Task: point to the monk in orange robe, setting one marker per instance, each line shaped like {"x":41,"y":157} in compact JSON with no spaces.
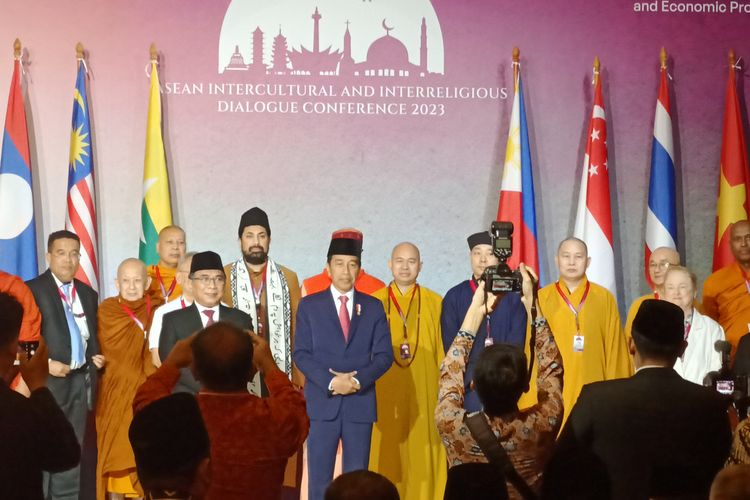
{"x":171,"y":248}
{"x":726,"y":293}
{"x":364,"y":282}
{"x":123,"y":323}
{"x":32,"y":320}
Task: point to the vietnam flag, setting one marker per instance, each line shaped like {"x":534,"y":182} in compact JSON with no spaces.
{"x":733,"y":175}
{"x":156,"y":209}
{"x":594,"y":214}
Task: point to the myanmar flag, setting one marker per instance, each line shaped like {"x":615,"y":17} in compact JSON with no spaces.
{"x":156,"y":209}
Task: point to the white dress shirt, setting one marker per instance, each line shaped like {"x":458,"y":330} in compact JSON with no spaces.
{"x":156,"y":323}
{"x":349,"y":303}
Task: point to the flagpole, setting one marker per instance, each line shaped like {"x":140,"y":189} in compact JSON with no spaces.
{"x":663,"y":58}
{"x":516,"y":59}
{"x":79,"y":50}
{"x":597,"y":65}
{"x":17,"y":49}
{"x":153,"y":53}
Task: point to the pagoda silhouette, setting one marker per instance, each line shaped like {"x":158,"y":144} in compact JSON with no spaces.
{"x":387,"y":57}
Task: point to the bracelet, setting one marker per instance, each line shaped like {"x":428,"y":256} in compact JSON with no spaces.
{"x":466,"y":335}
{"x":539,"y":322}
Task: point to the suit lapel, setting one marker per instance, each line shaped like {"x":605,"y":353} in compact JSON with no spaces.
{"x":332,"y":312}
{"x":356,"y":308}
{"x":84,"y":297}
{"x":60,"y":317}
{"x":195,"y":324}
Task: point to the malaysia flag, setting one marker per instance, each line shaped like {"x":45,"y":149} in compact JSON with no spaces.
{"x":661,"y":218}
{"x":517,"y":189}
{"x":81,"y":206}
{"x":17,"y":226}
{"x":594,"y":215}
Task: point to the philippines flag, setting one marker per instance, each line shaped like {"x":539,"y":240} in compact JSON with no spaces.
{"x":17,"y":226}
{"x":594,"y":215}
{"x":661,"y":219}
{"x":517,"y":190}
{"x":81,"y":209}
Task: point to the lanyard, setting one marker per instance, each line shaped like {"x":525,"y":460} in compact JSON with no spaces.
{"x":69,"y":303}
{"x":406,"y":353}
{"x":165,"y":293}
{"x":575,"y":310}
{"x":132,"y":315}
{"x":405,"y":318}
{"x":183,"y":305}
{"x":688,"y":326}
{"x":257,"y":296}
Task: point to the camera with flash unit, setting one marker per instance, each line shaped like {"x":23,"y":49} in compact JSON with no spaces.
{"x":501,"y":278}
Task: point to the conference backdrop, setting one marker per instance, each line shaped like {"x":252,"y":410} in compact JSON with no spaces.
{"x":387,"y":115}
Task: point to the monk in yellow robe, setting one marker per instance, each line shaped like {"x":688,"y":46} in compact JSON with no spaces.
{"x":726,"y":293}
{"x":405,"y":446}
{"x":123,"y":323}
{"x":586,"y":323}
{"x":658,"y":263}
{"x":171,"y":248}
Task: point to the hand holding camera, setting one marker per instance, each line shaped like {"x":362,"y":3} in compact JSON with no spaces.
{"x":35,"y":368}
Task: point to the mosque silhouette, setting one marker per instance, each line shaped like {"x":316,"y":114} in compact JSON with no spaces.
{"x":387,"y":57}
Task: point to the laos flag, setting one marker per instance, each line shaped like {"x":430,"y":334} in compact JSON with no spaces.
{"x":17,"y":227}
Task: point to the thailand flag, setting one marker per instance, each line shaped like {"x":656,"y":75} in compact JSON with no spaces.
{"x":594,"y":215}
{"x":81,"y":206}
{"x":17,"y":227}
{"x":517,"y":189}
{"x":661,"y":219}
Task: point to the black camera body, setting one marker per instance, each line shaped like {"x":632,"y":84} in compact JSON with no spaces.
{"x":725,"y":381}
{"x":501,"y":278}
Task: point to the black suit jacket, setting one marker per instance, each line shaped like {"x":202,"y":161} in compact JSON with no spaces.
{"x":35,"y":437}
{"x":55,"y":328}
{"x":653,"y":434}
{"x":181,"y":324}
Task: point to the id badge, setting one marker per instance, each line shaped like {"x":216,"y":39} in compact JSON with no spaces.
{"x":405,"y":352}
{"x":578,"y":343}
{"x":488,"y":341}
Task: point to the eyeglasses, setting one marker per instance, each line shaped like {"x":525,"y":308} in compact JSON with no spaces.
{"x":210,"y":280}
{"x":659,"y":265}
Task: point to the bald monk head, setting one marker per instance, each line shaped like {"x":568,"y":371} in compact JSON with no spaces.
{"x":405,"y":264}
{"x":739,"y":240}
{"x":658,"y":263}
{"x":223,"y":358}
{"x":731,"y":483}
{"x":572,"y":261}
{"x":132,"y":279}
{"x":171,"y":246}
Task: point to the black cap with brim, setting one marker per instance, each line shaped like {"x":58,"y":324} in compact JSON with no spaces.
{"x":167,"y":436}
{"x":660,"y":322}
{"x":206,"y":261}
{"x":254,"y":217}
{"x":482,"y":238}
{"x":345,"y":246}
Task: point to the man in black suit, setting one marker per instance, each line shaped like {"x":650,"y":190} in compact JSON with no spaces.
{"x":35,"y":435}
{"x":68,"y":308}
{"x":207,"y":278}
{"x":651,"y":435}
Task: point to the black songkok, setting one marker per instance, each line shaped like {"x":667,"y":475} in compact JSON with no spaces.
{"x":206,"y":260}
{"x":346,"y":243}
{"x":254,"y":217}
{"x":482,"y":238}
{"x":660,"y":321}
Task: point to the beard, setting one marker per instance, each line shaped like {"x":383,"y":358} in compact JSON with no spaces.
{"x":255,"y":256}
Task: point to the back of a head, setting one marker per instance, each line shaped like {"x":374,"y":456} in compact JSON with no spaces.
{"x":11,"y":316}
{"x":223,"y":357}
{"x":731,"y":483}
{"x":500,"y":377}
{"x":475,"y":481}
{"x":361,"y":485}
{"x":169,"y":441}
{"x":658,"y":330}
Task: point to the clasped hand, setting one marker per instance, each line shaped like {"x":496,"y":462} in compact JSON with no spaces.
{"x":343,"y":383}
